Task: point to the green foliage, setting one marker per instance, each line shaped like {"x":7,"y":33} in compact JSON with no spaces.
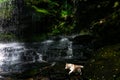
{"x":1,"y":1}
{"x":5,"y":9}
{"x":64,"y":14}
{"x":54,"y":13}
{"x":116,"y":4}
{"x":7,"y":36}
{"x":40,"y":10}
{"x":74,"y":16}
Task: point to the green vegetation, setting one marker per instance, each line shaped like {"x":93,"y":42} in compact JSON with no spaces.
{"x":1,"y":1}
{"x":53,"y":17}
{"x":7,"y":37}
{"x":40,"y":10}
{"x":5,"y":9}
{"x":54,"y":13}
{"x":99,"y":18}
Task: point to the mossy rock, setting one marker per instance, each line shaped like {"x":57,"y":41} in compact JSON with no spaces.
{"x":7,"y":37}
{"x":105,"y":64}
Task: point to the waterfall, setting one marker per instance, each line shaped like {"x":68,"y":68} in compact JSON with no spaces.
{"x":45,"y":45}
{"x":70,"y":50}
{"x":10,"y":55}
{"x":15,"y":53}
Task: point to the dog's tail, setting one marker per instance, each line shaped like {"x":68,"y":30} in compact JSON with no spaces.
{"x":81,"y":66}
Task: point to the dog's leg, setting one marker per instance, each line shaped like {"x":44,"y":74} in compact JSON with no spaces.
{"x":71,"y":70}
{"x":80,"y":73}
{"x":79,"y":70}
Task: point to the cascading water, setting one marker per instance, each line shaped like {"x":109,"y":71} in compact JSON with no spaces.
{"x":14,"y":55}
{"x":70,"y":50}
{"x":10,"y":55}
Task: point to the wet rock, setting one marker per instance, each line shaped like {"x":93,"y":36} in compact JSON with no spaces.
{"x":56,"y":72}
{"x":83,"y":39}
{"x":29,"y":79}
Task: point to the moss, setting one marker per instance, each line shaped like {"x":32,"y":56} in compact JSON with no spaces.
{"x":7,"y":37}
{"x":105,"y":65}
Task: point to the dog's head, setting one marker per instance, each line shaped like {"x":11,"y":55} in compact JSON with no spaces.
{"x":67,"y":66}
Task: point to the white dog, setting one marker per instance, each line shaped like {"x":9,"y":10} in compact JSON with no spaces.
{"x":74,"y":68}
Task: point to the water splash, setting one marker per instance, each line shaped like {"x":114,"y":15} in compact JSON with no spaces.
{"x":10,"y":55}
{"x":64,"y":40}
{"x":18,"y":54}
{"x":9,"y":52}
{"x":48,"y":41}
{"x":70,"y":50}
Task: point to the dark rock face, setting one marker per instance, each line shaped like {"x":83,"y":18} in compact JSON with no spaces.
{"x":83,"y":39}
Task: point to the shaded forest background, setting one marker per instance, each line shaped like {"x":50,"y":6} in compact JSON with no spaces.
{"x":35,"y":20}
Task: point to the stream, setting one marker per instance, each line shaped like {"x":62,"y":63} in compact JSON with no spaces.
{"x":16,"y":57}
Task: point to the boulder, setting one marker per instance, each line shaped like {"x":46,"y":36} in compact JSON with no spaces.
{"x":83,"y":39}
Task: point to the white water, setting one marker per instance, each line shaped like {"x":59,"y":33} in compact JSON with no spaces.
{"x":16,"y":53}
{"x":70,"y":50}
{"x":9,"y":52}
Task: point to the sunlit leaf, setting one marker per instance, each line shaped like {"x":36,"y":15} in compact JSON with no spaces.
{"x":116,"y":4}
{"x":40,"y":10}
{"x":54,"y":3}
{"x":3,"y":1}
{"x":64,"y":13}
